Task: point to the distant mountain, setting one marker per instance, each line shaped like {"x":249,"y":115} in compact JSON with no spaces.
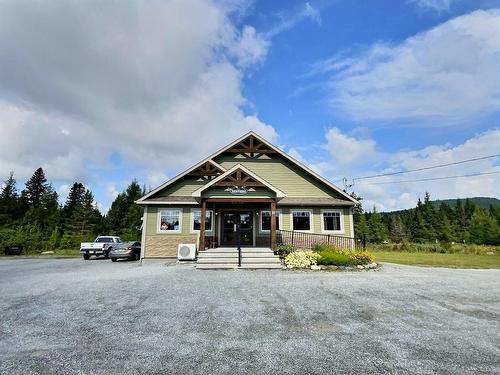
{"x":483,"y":202}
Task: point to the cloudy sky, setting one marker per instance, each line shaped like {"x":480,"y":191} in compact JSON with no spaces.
{"x":103,"y":92}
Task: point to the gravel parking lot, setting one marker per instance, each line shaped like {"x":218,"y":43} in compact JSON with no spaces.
{"x":72,"y":316}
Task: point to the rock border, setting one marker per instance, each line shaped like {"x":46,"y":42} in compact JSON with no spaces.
{"x":331,"y":268}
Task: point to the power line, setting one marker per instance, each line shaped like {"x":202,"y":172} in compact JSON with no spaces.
{"x":430,"y":179}
{"x":424,"y":168}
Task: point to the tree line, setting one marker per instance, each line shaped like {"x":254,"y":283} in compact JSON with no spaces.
{"x":34,"y":218}
{"x":464,"y":223}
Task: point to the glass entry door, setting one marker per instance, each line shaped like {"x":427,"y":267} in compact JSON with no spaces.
{"x":234,"y":222}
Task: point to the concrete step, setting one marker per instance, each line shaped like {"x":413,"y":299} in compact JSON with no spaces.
{"x":215,"y":266}
{"x":235,"y":260}
{"x":234,"y":249}
{"x":232,"y":255}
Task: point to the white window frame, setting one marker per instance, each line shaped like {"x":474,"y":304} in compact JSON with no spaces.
{"x":279,"y":213}
{"x":191,"y":225}
{"x":158,"y":221}
{"x":311,"y":221}
{"x":341,"y":217}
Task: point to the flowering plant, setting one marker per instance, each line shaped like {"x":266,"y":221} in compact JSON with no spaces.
{"x":302,"y":259}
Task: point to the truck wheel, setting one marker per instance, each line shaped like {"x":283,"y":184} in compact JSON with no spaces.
{"x":86,"y":256}
{"x":106,"y":254}
{"x":113,"y":259}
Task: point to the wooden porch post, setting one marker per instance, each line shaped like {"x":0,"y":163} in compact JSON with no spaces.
{"x":273,"y":225}
{"x":202,"y":225}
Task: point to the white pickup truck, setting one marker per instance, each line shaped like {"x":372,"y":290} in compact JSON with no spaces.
{"x":101,"y":246}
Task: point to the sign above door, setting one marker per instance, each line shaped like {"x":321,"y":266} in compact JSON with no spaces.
{"x":238,"y":190}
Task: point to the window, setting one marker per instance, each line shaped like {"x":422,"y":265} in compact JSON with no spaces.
{"x":196,"y":220}
{"x":331,"y":221}
{"x":301,"y":220}
{"x":169,"y":220}
{"x":265,"y":220}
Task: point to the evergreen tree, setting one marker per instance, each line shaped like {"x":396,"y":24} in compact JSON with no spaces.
{"x":460,"y":223}
{"x":420,"y":231}
{"x":75,"y":199}
{"x":42,"y":209}
{"x":444,"y":229}
{"x":36,"y":188}
{"x":361,"y":228}
{"x":397,"y":229}
{"x":124,"y":216}
{"x":378,"y":231}
{"x":9,"y":201}
{"x":484,"y":228}
{"x":84,"y":223}
{"x":469,"y":209}
{"x":495,"y":212}
{"x":429,"y":218}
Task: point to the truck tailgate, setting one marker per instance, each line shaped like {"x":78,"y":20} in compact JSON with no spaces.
{"x":91,"y":245}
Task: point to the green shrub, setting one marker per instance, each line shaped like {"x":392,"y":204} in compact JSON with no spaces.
{"x":284,"y":250}
{"x":362,"y":258}
{"x":325,"y":247}
{"x":301,"y":259}
{"x":329,"y":257}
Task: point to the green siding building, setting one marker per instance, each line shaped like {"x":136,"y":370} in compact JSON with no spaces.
{"x":245,"y":193}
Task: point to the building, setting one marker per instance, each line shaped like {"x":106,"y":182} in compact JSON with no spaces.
{"x":246,"y":192}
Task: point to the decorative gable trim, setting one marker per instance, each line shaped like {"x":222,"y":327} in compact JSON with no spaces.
{"x":239,"y":176}
{"x":251,"y":145}
{"x":207,"y":170}
{"x":179,"y":176}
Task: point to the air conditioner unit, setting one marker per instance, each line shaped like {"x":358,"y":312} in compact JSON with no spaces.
{"x":186,"y":251}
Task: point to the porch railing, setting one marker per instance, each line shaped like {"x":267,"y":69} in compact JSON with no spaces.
{"x":310,"y":240}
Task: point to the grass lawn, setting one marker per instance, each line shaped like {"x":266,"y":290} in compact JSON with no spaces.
{"x":438,"y":259}
{"x":58,"y":252}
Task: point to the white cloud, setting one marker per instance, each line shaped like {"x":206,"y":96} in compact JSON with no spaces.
{"x":436,"y":5}
{"x":112,"y":191}
{"x":364,"y":159}
{"x":287,"y":21}
{"x":62,"y":192}
{"x":155,"y":178}
{"x":483,"y":144}
{"x":251,"y":47}
{"x":82,"y":80}
{"x":347,"y":150}
{"x":445,"y":75}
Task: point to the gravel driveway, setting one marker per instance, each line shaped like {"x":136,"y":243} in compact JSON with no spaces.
{"x":71,"y":316}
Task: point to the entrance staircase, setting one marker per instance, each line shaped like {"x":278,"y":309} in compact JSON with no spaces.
{"x":227,"y":258}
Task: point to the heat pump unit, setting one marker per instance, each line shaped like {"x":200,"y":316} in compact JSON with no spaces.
{"x":186,"y":251}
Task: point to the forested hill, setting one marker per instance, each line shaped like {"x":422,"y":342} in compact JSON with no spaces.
{"x":473,"y":220}
{"x":482,"y":202}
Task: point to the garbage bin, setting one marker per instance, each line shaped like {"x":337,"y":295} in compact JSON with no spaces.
{"x":14,"y":250}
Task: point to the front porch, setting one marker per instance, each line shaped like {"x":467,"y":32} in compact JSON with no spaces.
{"x":238,"y":222}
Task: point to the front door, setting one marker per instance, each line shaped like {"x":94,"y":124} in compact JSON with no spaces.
{"x":234,"y":222}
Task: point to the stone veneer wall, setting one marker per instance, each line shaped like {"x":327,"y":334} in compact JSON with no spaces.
{"x":159,"y":246}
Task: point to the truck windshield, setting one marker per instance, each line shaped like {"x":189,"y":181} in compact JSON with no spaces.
{"x":104,"y":239}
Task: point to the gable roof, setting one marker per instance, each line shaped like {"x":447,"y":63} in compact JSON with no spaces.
{"x":236,"y":142}
{"x":279,"y":193}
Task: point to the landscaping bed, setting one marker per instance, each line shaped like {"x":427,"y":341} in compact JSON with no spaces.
{"x":326,"y":257}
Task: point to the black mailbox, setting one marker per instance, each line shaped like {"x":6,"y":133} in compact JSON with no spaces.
{"x":13,"y":250}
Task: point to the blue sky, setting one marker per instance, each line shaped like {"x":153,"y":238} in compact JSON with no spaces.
{"x":103,"y":92}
